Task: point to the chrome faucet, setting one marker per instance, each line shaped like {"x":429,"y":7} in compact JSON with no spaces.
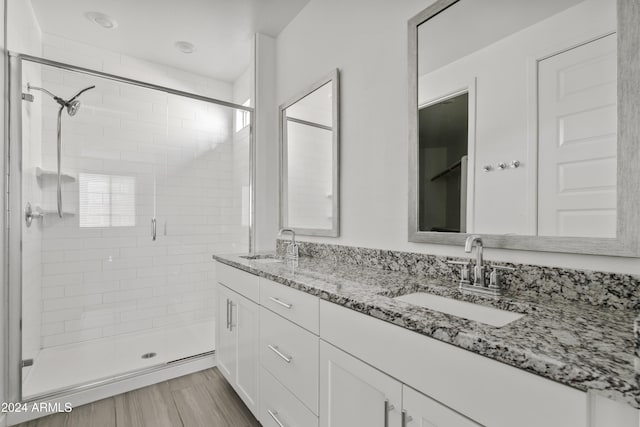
{"x":292,"y":248}
{"x":479,"y":284}
{"x":478,"y":270}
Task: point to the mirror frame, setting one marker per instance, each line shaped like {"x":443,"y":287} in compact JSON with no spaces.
{"x":627,"y":241}
{"x":334,"y":231}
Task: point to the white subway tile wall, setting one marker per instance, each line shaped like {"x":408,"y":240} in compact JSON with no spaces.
{"x":309,"y":176}
{"x":172,"y":158}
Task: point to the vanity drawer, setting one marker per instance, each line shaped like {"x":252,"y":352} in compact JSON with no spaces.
{"x":283,"y":405}
{"x":290,"y":354}
{"x":297,"y":306}
{"x":244,"y":283}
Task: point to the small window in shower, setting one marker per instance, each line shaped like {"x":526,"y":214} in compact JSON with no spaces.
{"x":243,"y":118}
{"x":107,"y":200}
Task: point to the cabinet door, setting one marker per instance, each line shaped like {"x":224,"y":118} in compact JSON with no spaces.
{"x":354,"y":394}
{"x":225,"y":337}
{"x":244,"y":323}
{"x":421,"y":411}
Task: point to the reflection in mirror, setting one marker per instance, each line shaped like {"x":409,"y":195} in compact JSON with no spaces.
{"x":517,"y":121}
{"x":309,"y":150}
{"x":443,"y":136}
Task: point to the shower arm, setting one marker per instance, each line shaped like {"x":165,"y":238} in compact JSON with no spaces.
{"x":59,"y":100}
{"x":41,"y":89}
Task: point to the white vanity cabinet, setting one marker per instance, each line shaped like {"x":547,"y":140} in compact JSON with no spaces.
{"x":296,"y":306}
{"x":288,"y":355}
{"x":353,"y":393}
{"x":365,"y":361}
{"x":279,"y":407}
{"x":296,"y":360}
{"x":237,"y":336}
{"x":225,"y":336}
{"x":356,"y":394}
{"x":489,"y":392}
{"x":422,"y":411}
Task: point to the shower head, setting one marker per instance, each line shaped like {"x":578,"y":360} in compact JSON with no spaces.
{"x":72,"y":105}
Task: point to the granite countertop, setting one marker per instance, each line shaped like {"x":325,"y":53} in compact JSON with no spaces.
{"x":585,"y":347}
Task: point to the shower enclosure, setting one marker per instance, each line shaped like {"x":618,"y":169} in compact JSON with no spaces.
{"x":152,"y":182}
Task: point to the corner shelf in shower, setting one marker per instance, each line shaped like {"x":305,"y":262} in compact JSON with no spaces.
{"x":43,"y":173}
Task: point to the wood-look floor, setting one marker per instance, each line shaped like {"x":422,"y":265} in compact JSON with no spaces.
{"x":202,"y":399}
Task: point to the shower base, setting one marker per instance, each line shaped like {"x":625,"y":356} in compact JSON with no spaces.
{"x":63,"y":367}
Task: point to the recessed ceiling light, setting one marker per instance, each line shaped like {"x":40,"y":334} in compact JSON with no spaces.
{"x":185,"y":47}
{"x":105,"y":21}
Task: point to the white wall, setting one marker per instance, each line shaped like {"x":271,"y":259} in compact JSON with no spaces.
{"x":367,"y":40}
{"x":23,"y":32}
{"x":243,"y":86}
{"x":266,"y":140}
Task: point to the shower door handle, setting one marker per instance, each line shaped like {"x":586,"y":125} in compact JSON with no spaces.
{"x":154,"y":228}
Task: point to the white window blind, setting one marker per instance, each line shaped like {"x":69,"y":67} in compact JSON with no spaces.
{"x":243,"y":119}
{"x":107,"y":200}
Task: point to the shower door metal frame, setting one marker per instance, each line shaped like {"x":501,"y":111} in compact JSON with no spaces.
{"x":15,"y":214}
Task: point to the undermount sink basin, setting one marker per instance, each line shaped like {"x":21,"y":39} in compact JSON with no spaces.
{"x":467,"y":310}
{"x":262,"y":258}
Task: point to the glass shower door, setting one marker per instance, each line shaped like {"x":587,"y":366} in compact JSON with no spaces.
{"x":82,"y":272}
{"x":153,"y":183}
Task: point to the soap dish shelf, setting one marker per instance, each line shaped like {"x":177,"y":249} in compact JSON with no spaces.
{"x":44,"y":173}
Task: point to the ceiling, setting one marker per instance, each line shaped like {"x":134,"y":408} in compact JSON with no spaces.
{"x":221,"y":30}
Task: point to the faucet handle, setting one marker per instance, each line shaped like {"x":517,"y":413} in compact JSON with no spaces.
{"x":465,"y":269}
{"x":494,"y":277}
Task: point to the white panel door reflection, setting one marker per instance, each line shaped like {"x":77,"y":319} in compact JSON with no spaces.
{"x":577,"y":141}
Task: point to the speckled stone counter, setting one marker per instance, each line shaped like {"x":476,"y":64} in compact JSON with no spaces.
{"x":636,"y":330}
{"x":585,"y":347}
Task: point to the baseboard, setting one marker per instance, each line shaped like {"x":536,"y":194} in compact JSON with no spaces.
{"x":103,"y":391}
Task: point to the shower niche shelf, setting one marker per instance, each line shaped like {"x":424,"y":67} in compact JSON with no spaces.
{"x":44,"y":173}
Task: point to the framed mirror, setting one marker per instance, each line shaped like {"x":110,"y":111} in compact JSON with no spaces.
{"x":524,"y":125}
{"x":309,"y":159}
